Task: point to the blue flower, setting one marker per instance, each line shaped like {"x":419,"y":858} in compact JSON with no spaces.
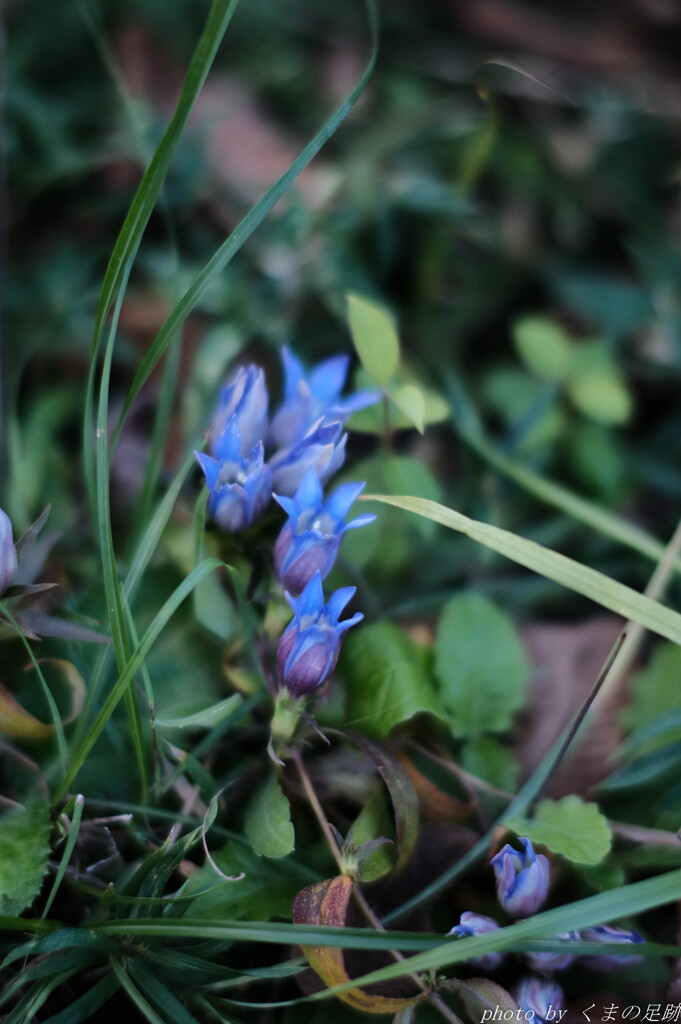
{"x":608,"y":933}
{"x":8,"y":553}
{"x":322,"y":449}
{"x":240,"y":488}
{"x":310,"y":539}
{"x":309,"y":648}
{"x":478,"y":924}
{"x":317,"y":396}
{"x":244,"y":397}
{"x":522,"y":879}
{"x":545,"y":963}
{"x":540,"y":996}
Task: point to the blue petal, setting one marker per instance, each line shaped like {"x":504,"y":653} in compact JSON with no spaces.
{"x":339,"y":503}
{"x":326,"y":380}
{"x":294,"y":372}
{"x":337,"y":602}
{"x":310,"y":493}
{"x":210,"y":467}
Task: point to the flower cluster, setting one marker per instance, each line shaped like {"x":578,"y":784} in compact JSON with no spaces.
{"x":522,"y":884}
{"x":307,"y":436}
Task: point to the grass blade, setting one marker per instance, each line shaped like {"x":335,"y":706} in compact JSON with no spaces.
{"x":616,"y":597}
{"x":68,"y":850}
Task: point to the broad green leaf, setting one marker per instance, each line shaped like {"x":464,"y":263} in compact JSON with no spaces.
{"x":656,"y":690}
{"x":375,"y":338}
{"x":388,"y":681}
{"x":214,"y":610}
{"x":544,"y":347}
{"x":581,"y":578}
{"x":480,"y":664}
{"x":489,"y":760}
{"x":575,"y":829}
{"x":268,"y":822}
{"x":381,"y":416}
{"x":411,"y":403}
{"x":24,"y":849}
{"x":596,"y":386}
{"x":266,"y":890}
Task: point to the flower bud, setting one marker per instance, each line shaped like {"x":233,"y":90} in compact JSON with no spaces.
{"x":321,"y":449}
{"x":8,"y":553}
{"x":317,"y":396}
{"x":478,"y":924}
{"x":541,"y":996}
{"x":608,"y":933}
{"x":309,"y":648}
{"x":546,"y":963}
{"x":240,"y":489}
{"x":244,"y":397}
{"x":310,"y":539}
{"x":522,"y":879}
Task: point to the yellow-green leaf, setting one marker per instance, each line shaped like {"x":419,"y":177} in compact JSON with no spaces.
{"x":571,"y":827}
{"x":268,"y":822}
{"x":375,"y":338}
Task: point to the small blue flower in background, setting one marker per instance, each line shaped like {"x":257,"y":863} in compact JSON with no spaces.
{"x":540,"y":996}
{"x":322,"y":449}
{"x":478,"y":924}
{"x":545,"y":963}
{"x":522,"y":879}
{"x":244,"y":397}
{"x":240,"y":488}
{"x":8,"y":553}
{"x":310,"y":539}
{"x":309,"y":648}
{"x":608,"y":933}
{"x":317,"y":396}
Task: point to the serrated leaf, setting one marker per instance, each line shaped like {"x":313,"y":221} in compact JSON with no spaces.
{"x":24,"y":849}
{"x":571,"y":827}
{"x":375,"y":338}
{"x":480,"y":664}
{"x":544,"y":347}
{"x":268,"y":822}
{"x":387,"y":679}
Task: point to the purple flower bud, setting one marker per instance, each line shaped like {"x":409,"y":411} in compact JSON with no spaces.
{"x":8,"y":553}
{"x":541,"y":996}
{"x":610,"y":961}
{"x":317,"y":396}
{"x":478,"y":924}
{"x":545,"y":963}
{"x":321,"y":449}
{"x":522,"y":879}
{"x":309,"y":649}
{"x":240,"y":489}
{"x":244,"y":397}
{"x":310,"y":539}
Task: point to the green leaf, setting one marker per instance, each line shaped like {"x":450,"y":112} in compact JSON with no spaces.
{"x":596,"y":386}
{"x":24,"y":849}
{"x":490,"y":761}
{"x":544,"y":347}
{"x":377,"y":418}
{"x":411,"y":403}
{"x":387,"y":679}
{"x":266,"y":890}
{"x":268,"y":822}
{"x":655,"y":690}
{"x":575,"y":829}
{"x":373,"y":822}
{"x":208,"y":718}
{"x":581,"y":578}
{"x":480,"y":664}
{"x":375,"y":338}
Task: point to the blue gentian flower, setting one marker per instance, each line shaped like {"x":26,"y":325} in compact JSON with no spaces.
{"x":315,"y":396}
{"x":244,"y":397}
{"x":240,"y":488}
{"x":478,"y":924}
{"x":310,"y":539}
{"x":522,"y":879}
{"x":541,"y":996}
{"x":608,"y":933}
{"x":8,"y":553}
{"x":322,"y":449}
{"x":309,"y":648}
{"x":546,"y":963}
